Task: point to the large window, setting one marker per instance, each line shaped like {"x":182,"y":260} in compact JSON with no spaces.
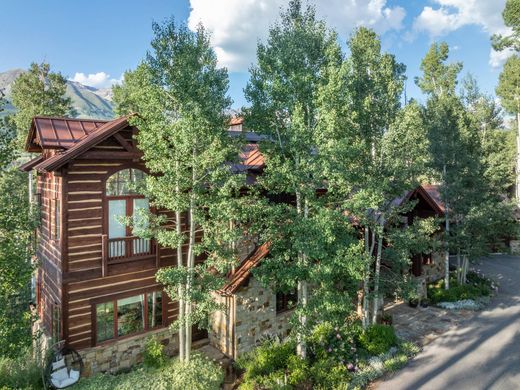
{"x":125,"y":202}
{"x":127,"y":316}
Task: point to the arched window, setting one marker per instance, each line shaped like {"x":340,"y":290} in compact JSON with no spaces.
{"x":123,"y":191}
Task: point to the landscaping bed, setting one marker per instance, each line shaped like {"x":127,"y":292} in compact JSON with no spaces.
{"x":474,"y":295}
{"x":338,"y":358}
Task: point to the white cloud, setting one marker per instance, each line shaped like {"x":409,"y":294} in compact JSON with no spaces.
{"x":450,"y":15}
{"x":96,"y":80}
{"x":498,"y":58}
{"x":237,"y":25}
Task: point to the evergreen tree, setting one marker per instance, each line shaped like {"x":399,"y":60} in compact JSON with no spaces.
{"x":181,"y":99}
{"x":39,"y":91}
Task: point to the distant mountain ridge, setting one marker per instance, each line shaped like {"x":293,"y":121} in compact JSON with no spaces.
{"x":89,"y":102}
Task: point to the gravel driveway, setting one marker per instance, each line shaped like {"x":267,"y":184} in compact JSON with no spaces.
{"x":482,"y":352}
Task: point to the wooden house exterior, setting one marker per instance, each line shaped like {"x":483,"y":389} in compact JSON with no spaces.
{"x":96,"y":285}
{"x":96,"y":281}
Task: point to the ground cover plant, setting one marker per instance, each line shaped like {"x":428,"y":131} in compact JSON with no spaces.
{"x":338,"y":357}
{"x":199,"y":373}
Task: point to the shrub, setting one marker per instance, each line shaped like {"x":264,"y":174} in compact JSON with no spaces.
{"x":154,"y":353}
{"x":338,"y":343}
{"x":378,"y":339}
{"x":199,"y":374}
{"x":328,"y":374}
{"x":476,"y":287}
{"x":22,"y":372}
{"x":269,"y":357}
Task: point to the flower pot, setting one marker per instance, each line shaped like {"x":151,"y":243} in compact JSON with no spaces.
{"x":413,"y":302}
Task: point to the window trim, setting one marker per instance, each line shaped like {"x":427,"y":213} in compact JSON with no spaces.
{"x":114,"y":298}
{"x":285,"y":299}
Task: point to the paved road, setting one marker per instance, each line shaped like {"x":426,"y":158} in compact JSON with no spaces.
{"x":483,"y":352}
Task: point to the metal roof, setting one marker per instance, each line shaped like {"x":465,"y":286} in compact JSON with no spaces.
{"x":59,"y":133}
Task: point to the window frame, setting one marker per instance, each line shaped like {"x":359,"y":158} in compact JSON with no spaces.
{"x":113,"y":299}
{"x":285,"y":297}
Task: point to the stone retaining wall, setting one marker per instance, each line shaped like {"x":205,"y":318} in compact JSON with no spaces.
{"x":123,"y":354}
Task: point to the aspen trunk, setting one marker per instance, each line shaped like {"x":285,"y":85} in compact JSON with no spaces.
{"x":447,"y":253}
{"x":518,"y":159}
{"x":189,"y":284}
{"x":180,"y":291}
{"x":366,"y":280}
{"x":459,"y":270}
{"x":377,"y":271}
{"x":301,"y":347}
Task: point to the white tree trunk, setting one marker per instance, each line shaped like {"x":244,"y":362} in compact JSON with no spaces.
{"x":447,"y":253}
{"x":366,"y":281}
{"x":180,"y":291}
{"x":377,"y":271}
{"x":518,"y":159}
{"x":459,"y":270}
{"x":301,"y":348}
{"x":189,"y":283}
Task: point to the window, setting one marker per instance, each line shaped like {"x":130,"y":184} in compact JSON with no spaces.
{"x":127,"y":316}
{"x":286,"y":301}
{"x":125,"y":202}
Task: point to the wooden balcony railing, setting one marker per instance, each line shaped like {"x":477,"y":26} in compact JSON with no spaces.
{"x":124,"y":249}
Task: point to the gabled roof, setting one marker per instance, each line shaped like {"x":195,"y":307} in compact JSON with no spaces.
{"x":429,"y":193}
{"x":29,"y":165}
{"x":434,"y":195}
{"x":242,"y":273}
{"x":58,"y":133}
{"x":82,"y":145}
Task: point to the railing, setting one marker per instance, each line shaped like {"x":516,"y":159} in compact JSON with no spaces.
{"x":120,"y":250}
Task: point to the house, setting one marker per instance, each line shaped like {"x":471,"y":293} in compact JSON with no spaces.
{"x":96,"y":286}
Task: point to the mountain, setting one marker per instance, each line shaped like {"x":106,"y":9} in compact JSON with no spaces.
{"x":89,"y":102}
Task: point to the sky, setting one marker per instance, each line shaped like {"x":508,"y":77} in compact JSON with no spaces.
{"x":96,"y":41}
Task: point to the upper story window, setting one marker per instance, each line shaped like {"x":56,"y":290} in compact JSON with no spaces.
{"x":125,"y":201}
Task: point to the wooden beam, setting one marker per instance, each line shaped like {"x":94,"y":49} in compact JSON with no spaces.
{"x":95,"y":155}
{"x":124,"y":143}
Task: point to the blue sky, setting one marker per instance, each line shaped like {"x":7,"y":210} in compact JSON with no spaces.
{"x":95,"y":41}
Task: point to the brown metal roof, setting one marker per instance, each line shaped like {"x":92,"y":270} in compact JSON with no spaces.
{"x":88,"y":141}
{"x":251,"y":157}
{"x":59,"y":133}
{"x":434,"y":195}
{"x":242,"y":273}
{"x":31,"y":164}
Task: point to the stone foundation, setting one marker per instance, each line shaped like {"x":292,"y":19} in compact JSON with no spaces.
{"x":435,"y":271}
{"x":124,"y":354}
{"x":253,"y":311}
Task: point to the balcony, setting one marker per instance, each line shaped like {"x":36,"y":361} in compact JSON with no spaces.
{"x":127,"y":249}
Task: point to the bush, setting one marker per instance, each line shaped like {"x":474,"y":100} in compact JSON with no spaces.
{"x":337,"y":343}
{"x":199,"y":374}
{"x":378,"y":339}
{"x":22,"y":372}
{"x":269,"y":357}
{"x":476,"y":287}
{"x":154,"y":353}
{"x":328,"y":374}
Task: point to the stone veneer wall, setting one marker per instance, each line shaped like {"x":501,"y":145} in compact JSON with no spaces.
{"x":256,"y":317}
{"x":123,"y":354}
{"x":435,"y":271}
{"x":253,"y":311}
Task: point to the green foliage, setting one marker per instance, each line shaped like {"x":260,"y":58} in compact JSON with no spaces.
{"x":269,"y":357}
{"x":154,"y":355}
{"x":377,"y":339}
{"x":475,"y":288}
{"x":329,"y":374}
{"x":508,"y":88}
{"x":20,"y":372}
{"x":511,"y":15}
{"x":39,"y":91}
{"x":16,"y":234}
{"x":198,"y":374}
{"x":336,"y":343}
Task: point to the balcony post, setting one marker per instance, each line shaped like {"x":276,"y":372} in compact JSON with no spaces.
{"x":157,"y":254}
{"x":104,"y":258}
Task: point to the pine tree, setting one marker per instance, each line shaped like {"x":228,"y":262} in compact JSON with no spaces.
{"x":511,"y":15}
